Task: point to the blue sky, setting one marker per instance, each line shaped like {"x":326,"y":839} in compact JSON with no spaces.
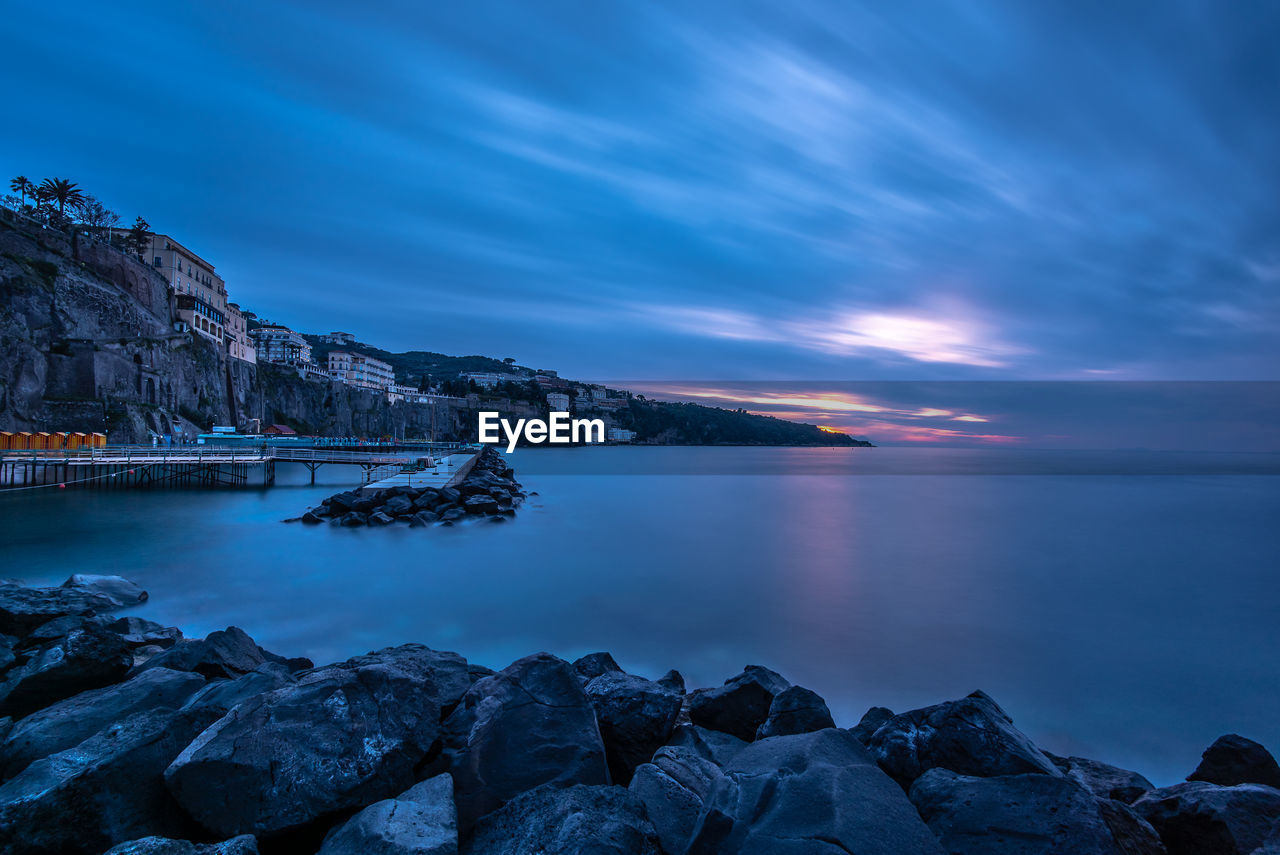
{"x":734,"y":190}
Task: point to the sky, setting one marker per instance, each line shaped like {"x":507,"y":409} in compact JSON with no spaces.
{"x":743,"y":191}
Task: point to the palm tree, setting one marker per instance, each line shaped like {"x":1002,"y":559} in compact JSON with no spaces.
{"x":63,"y":192}
{"x":22,"y":186}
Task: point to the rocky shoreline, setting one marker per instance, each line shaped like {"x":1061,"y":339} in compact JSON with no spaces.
{"x":489,"y":491}
{"x":121,"y":735}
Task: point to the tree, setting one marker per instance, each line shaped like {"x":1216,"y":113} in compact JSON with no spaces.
{"x":139,"y":237}
{"x":509,"y":361}
{"x":63,"y":192}
{"x":96,"y":216}
{"x":23,"y":187}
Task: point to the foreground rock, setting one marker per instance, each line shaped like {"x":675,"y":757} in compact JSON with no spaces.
{"x":106,"y":790}
{"x":1031,"y":813}
{"x":809,"y":793}
{"x":1199,"y":818}
{"x":24,"y":609}
{"x":795,"y":710}
{"x":87,"y":657}
{"x":68,"y":723}
{"x":243,"y":845}
{"x":577,"y":820}
{"x":741,"y":705}
{"x":636,"y":717}
{"x":225,"y":654}
{"x":1104,"y":780}
{"x":344,"y":736}
{"x":527,"y":725}
{"x":674,"y":788}
{"x":420,"y":821}
{"x":1232,"y":760}
{"x":971,"y":736}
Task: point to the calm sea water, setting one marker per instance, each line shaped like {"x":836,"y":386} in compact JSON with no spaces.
{"x":1128,"y":617}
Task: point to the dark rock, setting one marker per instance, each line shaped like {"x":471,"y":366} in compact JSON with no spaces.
{"x":636,"y":717}
{"x":398,"y":506}
{"x":59,"y":628}
{"x":478,"y":672}
{"x":23,"y":609}
{"x":427,"y":500}
{"x":1232,"y":760}
{"x":245,"y":844}
{"x":971,"y":736}
{"x":809,"y":793}
{"x":348,"y":735}
{"x":365,"y":504}
{"x":312,"y":518}
{"x":450,"y":495}
{"x":342,"y":503}
{"x":222,"y":695}
{"x":222,"y":654}
{"x":593,"y":665}
{"x":379,"y":518}
{"x":527,"y":725}
{"x":719,"y":748}
{"x":139,"y":631}
{"x":673,"y":788}
{"x":796,"y":710}
{"x":1103,"y":780}
{"x":452,"y":515}
{"x":870,"y":723}
{"x":1199,"y":818}
{"x":479,"y":505}
{"x":741,"y":705}
{"x":86,"y":658}
{"x":497,"y":519}
{"x":420,"y":821}
{"x":7,"y":657}
{"x":577,"y":820}
{"x":423,"y":518}
{"x":354,"y":519}
{"x":672,"y":680}
{"x":1030,"y":813}
{"x":68,"y":723}
{"x":106,"y":790}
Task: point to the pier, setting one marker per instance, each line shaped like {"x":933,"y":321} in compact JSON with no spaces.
{"x":126,"y":467}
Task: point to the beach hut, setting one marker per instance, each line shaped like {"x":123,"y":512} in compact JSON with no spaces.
{"x":6,"y":439}
{"x":77,"y":439}
{"x":97,"y":440}
{"x":40,"y":440}
{"x":279,"y":430}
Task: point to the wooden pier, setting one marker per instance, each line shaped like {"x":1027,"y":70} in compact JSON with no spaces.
{"x":127,"y":467}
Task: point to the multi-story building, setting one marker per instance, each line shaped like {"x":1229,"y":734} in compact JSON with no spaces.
{"x":558,"y":402}
{"x":236,"y":335}
{"x":338,"y":338}
{"x":356,"y":369}
{"x":617,"y":434}
{"x":279,"y":344}
{"x":487,"y":380}
{"x":200,"y":294}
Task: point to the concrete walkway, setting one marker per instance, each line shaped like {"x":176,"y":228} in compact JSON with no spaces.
{"x":448,"y":471}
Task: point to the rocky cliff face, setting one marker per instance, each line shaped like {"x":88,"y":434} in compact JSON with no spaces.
{"x":86,"y":344}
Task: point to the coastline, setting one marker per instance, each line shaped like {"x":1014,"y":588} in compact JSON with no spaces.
{"x":160,"y":735}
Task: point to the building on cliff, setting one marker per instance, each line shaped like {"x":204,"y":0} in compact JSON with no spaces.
{"x":281,"y":345}
{"x":364,"y":372}
{"x":338,"y":338}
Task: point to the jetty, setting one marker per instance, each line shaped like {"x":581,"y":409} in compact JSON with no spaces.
{"x":139,"y":466}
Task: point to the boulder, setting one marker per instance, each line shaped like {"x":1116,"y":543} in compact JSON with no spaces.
{"x":353,"y":519}
{"x":7,"y":657}
{"x":420,"y":821}
{"x":138,"y":632}
{"x":366,"y":504}
{"x":870,"y":723}
{"x":341,"y":503}
{"x":106,"y":790}
{"x":398,"y":506}
{"x":222,"y":695}
{"x":313,"y":517}
{"x":427,"y":500}
{"x":719,"y":748}
{"x":245,"y":844}
{"x":971,"y":736}
{"x":576,"y":820}
{"x":817,"y":792}
{"x":23,"y":609}
{"x":529,"y":724}
{"x":480,"y":505}
{"x":636,"y":717}
{"x":222,"y":654}
{"x":673,"y":679}
{"x":347,"y":734}
{"x":1104,"y":780}
{"x":1029,"y":813}
{"x":741,"y":705}
{"x":119,"y":590}
{"x":450,"y":495}
{"x":423,"y":518}
{"x":673,"y":789}
{"x":86,"y":658}
{"x":1199,"y":818}
{"x":379,"y":518}
{"x":593,"y":665}
{"x":452,"y":515}
{"x":795,"y":710}
{"x":68,"y":723}
{"x":1233,"y":759}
